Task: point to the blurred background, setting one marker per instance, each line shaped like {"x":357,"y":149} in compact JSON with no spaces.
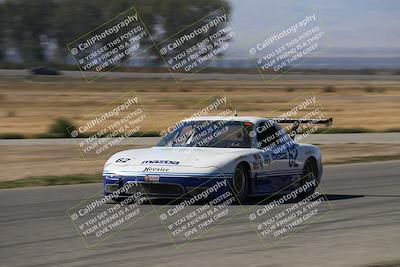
{"x":362,"y":34}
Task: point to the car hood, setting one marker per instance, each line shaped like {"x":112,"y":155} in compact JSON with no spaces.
{"x":175,"y":158}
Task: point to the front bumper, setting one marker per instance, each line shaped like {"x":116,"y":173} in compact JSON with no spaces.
{"x":166,"y":187}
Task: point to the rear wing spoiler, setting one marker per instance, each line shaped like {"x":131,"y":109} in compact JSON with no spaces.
{"x":326,"y":122}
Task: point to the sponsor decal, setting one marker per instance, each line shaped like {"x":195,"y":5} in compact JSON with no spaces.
{"x":266,"y":159}
{"x":279,"y":156}
{"x":256,"y":162}
{"x":151,"y":178}
{"x":155,"y":169}
{"x":122,"y":160}
{"x":169,"y":162}
{"x":292,"y":157}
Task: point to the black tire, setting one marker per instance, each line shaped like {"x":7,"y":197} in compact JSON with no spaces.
{"x":310,"y":172}
{"x":240,"y":182}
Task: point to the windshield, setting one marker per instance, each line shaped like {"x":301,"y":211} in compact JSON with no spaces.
{"x":221,"y":134}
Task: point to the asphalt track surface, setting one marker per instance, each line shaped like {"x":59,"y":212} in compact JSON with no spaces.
{"x":362,"y":230}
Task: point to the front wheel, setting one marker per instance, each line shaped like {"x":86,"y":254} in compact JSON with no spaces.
{"x":239,"y":184}
{"x":309,"y":178}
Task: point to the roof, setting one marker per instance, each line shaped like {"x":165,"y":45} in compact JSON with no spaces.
{"x":227,"y":118}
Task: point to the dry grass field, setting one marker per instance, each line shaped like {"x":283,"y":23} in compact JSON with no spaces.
{"x":59,"y":160}
{"x":29,"y":105}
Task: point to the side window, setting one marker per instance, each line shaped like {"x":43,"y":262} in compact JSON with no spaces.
{"x":267,"y":135}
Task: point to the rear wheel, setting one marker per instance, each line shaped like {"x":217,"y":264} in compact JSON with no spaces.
{"x":240,"y":182}
{"x":309,"y":178}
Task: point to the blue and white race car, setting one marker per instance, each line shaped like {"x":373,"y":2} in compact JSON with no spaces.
{"x":254,"y":155}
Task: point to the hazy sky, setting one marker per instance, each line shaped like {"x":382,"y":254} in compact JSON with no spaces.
{"x":372,"y":25}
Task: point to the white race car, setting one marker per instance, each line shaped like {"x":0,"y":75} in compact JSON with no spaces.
{"x":254,"y":155}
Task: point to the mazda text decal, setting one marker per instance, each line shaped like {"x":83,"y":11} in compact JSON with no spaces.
{"x":170,"y":162}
